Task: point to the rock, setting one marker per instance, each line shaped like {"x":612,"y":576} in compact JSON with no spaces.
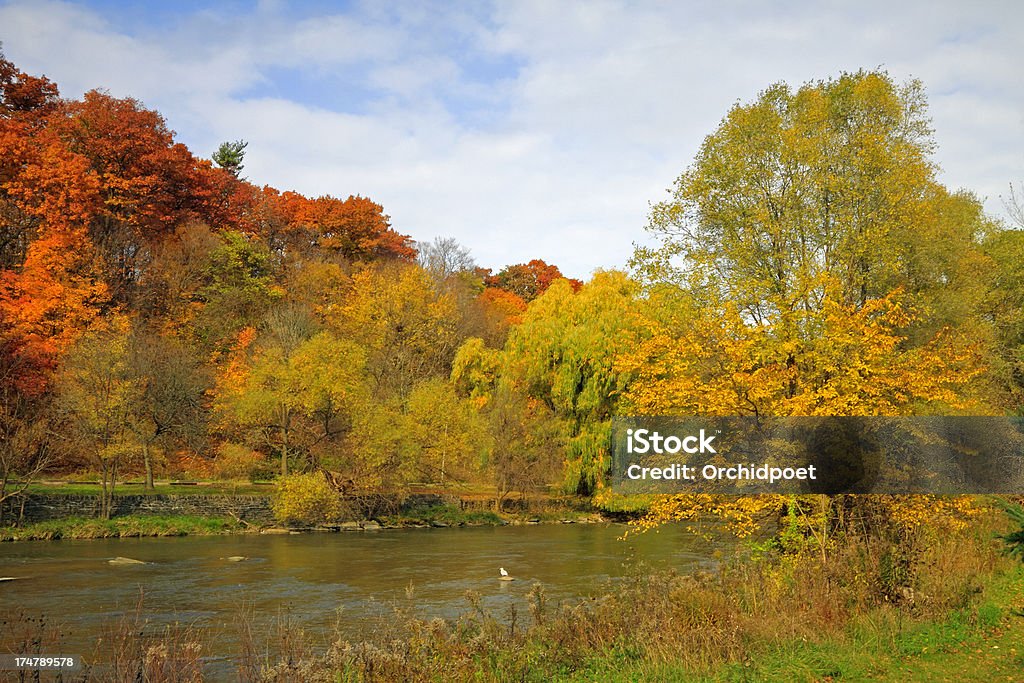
{"x":348,"y":526}
{"x":275,"y":530}
{"x":505,"y":578}
{"x":371,"y":526}
{"x":237,"y":558}
{"x":125,"y":560}
{"x":438,"y":525}
{"x":10,"y":578}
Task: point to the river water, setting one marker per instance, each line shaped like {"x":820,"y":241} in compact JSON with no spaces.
{"x":310,"y":576}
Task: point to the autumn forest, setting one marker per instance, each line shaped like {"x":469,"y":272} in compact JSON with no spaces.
{"x":162,"y":316}
{"x":165,"y":318}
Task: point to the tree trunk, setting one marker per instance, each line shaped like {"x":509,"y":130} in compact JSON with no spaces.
{"x":284,"y":452}
{"x":104,"y":512}
{"x":148,"y":462}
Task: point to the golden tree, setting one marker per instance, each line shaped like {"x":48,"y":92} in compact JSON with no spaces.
{"x":810,"y":264}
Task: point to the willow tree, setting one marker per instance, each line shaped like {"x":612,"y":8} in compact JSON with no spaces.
{"x":563,"y":353}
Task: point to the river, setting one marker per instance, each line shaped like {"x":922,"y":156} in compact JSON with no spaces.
{"x":310,"y":576}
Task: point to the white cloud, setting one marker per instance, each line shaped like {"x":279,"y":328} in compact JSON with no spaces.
{"x":525,"y":130}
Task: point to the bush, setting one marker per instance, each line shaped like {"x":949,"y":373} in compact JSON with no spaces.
{"x":306,"y":499}
{"x":236,"y":462}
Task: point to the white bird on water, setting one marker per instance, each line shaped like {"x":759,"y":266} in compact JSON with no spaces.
{"x":504,"y":575}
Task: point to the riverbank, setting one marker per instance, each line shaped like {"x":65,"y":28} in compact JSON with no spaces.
{"x":950,"y":614}
{"x":150,"y":525}
{"x":131,"y":526}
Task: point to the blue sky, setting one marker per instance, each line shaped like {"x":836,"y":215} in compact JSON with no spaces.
{"x":524,"y":129}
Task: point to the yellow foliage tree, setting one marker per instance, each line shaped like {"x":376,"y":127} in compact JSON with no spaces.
{"x":810,"y":264}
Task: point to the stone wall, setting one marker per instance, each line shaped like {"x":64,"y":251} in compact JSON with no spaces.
{"x":253,"y":509}
{"x":45,"y":507}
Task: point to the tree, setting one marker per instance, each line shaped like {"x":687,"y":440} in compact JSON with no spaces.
{"x":446,"y":431}
{"x":406,"y":326}
{"x":171,"y":385}
{"x":26,"y":422}
{"x":356,"y":228}
{"x":230,"y":156}
{"x":528,"y":280}
{"x":444,"y":258}
{"x":810,"y":264}
{"x":833,"y":181}
{"x":238,"y":290}
{"x":97,"y":393}
{"x":807,"y":219}
{"x":1015,"y":205}
{"x":1004,"y":305}
{"x":147,"y":182}
{"x":295,"y":389}
{"x":563,"y":354}
{"x":22,"y":94}
{"x":527,"y":443}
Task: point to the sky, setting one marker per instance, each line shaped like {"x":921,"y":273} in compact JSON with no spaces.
{"x":522,"y":129}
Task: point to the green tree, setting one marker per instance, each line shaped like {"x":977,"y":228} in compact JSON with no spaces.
{"x":239,"y":288}
{"x":447,"y":432}
{"x":563,"y":353}
{"x":830,"y":183}
{"x":230,"y":156}
{"x":811,"y":264}
{"x":298,"y":391}
{"x":1004,"y":305}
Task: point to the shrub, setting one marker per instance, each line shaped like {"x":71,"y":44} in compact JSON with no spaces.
{"x":236,"y":462}
{"x":306,"y":499}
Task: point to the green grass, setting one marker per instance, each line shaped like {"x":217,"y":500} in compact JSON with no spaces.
{"x":122,"y":527}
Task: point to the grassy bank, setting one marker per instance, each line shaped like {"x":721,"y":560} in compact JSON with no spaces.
{"x":982,"y":641}
{"x":122,"y":527}
{"x":453,"y":515}
{"x":129,"y":526}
